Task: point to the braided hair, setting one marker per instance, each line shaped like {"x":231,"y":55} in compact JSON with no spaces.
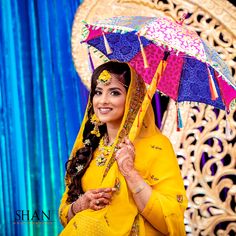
{"x":84,"y":155}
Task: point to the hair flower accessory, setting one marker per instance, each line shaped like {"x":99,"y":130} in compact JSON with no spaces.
{"x":79,"y":168}
{"x":104,"y":77}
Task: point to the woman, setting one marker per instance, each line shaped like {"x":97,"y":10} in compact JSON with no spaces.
{"x":113,"y":186}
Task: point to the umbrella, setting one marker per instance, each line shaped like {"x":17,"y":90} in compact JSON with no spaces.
{"x":168,"y":55}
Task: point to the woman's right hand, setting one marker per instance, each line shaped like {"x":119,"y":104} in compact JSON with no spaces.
{"x":94,"y":199}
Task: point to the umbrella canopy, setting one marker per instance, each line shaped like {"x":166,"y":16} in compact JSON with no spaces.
{"x":194,"y":71}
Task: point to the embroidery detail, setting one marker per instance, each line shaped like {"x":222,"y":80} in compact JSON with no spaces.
{"x":117,"y":185}
{"x":156,"y":147}
{"x":135,"y":227}
{"x":154,"y":178}
{"x":179,"y":198}
{"x":144,"y":125}
{"x":75,"y":225}
{"x":106,"y":219}
{"x":101,"y":160}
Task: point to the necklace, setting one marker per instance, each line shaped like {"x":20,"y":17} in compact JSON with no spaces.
{"x":104,"y":151}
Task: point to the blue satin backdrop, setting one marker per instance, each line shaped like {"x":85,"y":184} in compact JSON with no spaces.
{"x":42,"y":102}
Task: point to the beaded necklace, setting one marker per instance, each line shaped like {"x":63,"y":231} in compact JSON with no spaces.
{"x":104,"y":151}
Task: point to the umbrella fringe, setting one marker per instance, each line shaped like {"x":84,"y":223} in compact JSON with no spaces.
{"x":227,"y":126}
{"x":145,"y":61}
{"x":106,"y":44}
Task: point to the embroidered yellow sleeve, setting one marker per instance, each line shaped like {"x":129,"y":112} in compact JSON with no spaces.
{"x":64,"y":209}
{"x":168,"y":200}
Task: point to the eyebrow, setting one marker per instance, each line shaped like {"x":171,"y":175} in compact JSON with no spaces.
{"x":111,"y":89}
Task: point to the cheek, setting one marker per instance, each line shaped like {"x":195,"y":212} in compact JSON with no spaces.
{"x":122,"y":105}
{"x":94,"y":103}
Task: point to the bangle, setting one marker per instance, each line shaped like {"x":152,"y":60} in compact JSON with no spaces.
{"x":72,"y":209}
{"x":139,"y":188}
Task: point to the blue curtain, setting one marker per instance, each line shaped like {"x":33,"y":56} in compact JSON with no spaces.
{"x":42,"y":102}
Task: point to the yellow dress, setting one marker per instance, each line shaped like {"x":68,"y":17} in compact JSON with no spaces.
{"x":157,"y":164}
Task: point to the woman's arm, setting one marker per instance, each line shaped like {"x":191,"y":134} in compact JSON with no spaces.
{"x":142,"y":193}
{"x":159,"y":200}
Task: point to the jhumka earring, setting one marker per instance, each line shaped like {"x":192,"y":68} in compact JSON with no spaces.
{"x":96,"y":122}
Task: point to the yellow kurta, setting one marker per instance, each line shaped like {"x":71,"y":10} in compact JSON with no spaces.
{"x":157,"y":163}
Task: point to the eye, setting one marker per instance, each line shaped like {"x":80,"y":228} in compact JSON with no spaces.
{"x":115,"y":93}
{"x":97,"y":92}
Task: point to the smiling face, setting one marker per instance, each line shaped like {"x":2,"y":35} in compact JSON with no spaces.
{"x":109,"y":101}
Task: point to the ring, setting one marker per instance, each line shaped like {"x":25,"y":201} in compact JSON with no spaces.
{"x":130,"y":148}
{"x":97,"y":202}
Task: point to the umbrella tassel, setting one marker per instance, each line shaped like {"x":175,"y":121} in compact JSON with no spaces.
{"x":214,"y":94}
{"x":227,"y":127}
{"x":107,"y":46}
{"x":178,"y":119}
{"x":90,"y":61}
{"x":145,"y":61}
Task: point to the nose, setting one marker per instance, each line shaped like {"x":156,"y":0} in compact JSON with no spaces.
{"x":104,"y":99}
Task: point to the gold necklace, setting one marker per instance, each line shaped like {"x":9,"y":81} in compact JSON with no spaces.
{"x":104,"y":151}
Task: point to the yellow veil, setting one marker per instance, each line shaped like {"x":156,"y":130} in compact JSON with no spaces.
{"x":121,"y":217}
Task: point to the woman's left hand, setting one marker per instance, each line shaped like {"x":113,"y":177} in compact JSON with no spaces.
{"x":125,"y":157}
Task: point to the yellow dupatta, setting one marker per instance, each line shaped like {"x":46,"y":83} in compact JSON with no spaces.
{"x":121,"y":218}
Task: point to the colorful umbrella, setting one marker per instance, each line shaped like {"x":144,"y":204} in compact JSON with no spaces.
{"x":193,"y":71}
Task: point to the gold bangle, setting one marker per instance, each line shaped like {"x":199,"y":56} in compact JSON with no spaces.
{"x":72,"y":209}
{"x":139,"y":188}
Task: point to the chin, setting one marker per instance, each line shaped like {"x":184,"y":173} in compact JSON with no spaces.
{"x":105,"y":120}
{"x":109,"y":120}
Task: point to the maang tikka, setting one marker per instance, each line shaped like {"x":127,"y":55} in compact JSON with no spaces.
{"x":96,"y":122}
{"x":104,"y":78}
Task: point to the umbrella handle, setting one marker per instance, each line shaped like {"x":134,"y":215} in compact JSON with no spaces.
{"x":147,"y":99}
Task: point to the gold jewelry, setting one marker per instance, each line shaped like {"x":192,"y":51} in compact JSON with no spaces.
{"x":96,"y":122}
{"x":72,"y":209}
{"x":79,"y":206}
{"x":104,"y":151}
{"x":139,"y":188}
{"x":104,"y":78}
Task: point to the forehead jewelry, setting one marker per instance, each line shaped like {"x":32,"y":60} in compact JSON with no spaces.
{"x":104,"y":78}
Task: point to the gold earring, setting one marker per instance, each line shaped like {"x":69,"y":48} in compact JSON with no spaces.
{"x":96,"y":122}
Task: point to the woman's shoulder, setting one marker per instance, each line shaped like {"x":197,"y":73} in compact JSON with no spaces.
{"x":158,"y":140}
{"x":152,"y":152}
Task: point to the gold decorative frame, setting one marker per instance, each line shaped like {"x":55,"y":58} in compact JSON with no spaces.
{"x":206,"y":157}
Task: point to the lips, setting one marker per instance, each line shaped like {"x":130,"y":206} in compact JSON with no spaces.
{"x":104,"y":110}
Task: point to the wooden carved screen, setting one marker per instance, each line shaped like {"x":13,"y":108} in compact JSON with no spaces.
{"x":206,"y":157}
